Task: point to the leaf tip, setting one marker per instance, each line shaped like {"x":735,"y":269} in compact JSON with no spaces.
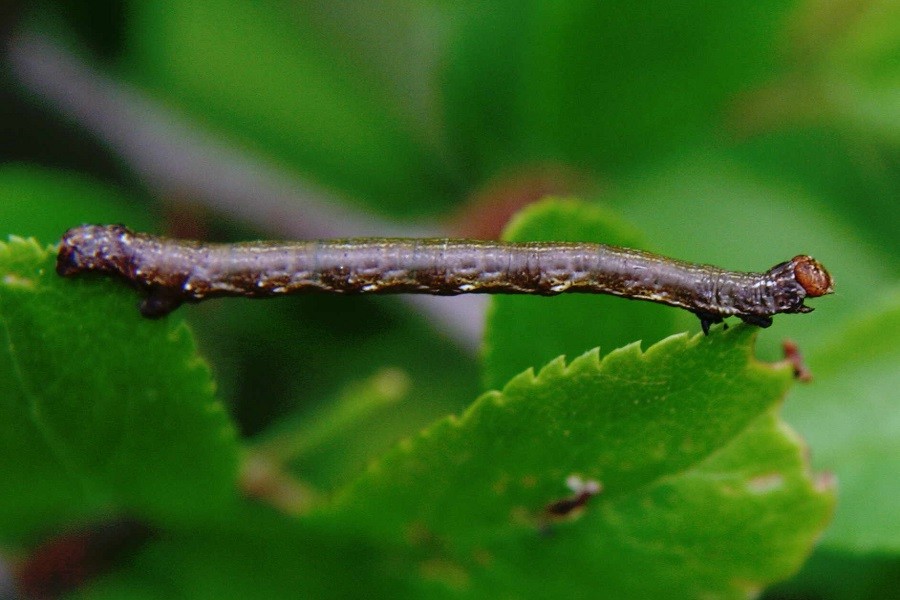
{"x":524,"y":379}
{"x":678,"y":341}
{"x":590,"y":360}
{"x":528,"y":377}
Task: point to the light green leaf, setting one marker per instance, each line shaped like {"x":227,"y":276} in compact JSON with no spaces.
{"x":525,"y":332}
{"x":708,"y":208}
{"x":825,"y":162}
{"x":857,"y":74}
{"x":100,"y":409}
{"x":852,"y":419}
{"x":705,"y":491}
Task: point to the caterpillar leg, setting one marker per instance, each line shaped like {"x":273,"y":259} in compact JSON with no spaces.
{"x":158,"y":304}
{"x":759,"y":321}
{"x":707,"y":320}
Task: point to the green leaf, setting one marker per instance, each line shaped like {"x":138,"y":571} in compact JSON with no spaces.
{"x":858,"y":72}
{"x":857,"y":177}
{"x":101,"y":409}
{"x":43,"y":203}
{"x":705,"y":491}
{"x":265,"y":76}
{"x":604,"y":85}
{"x":255,"y":554}
{"x":851,"y":418}
{"x":525,"y":332}
{"x":836,"y":575}
{"x":480,"y":84}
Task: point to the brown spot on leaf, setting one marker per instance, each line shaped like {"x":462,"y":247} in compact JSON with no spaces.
{"x":445,"y":571}
{"x":825,"y":482}
{"x":418,"y":534}
{"x":572,"y":506}
{"x":482,"y":557}
{"x":763,"y":484}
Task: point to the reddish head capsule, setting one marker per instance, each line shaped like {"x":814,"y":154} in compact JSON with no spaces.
{"x":812,"y":276}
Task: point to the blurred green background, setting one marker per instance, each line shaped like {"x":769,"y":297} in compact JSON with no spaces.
{"x":738,"y":134}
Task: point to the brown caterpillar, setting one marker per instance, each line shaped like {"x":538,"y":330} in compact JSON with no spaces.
{"x":175,"y":271}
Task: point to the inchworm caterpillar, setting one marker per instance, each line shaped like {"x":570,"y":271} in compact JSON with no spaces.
{"x":175,"y":271}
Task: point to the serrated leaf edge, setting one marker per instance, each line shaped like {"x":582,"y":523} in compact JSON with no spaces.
{"x":558,"y":368}
{"x":29,"y":242}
